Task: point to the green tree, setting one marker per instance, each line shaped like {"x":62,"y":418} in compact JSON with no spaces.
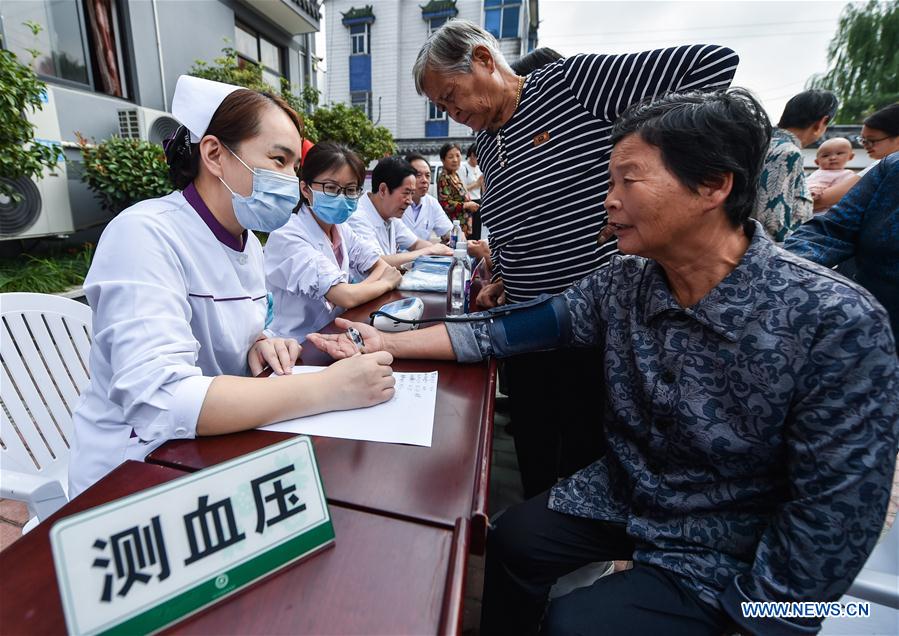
{"x":863,"y":60}
{"x":337,"y":122}
{"x":20,"y":155}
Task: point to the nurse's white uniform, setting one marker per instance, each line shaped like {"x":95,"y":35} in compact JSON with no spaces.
{"x":426,"y":218}
{"x":300,"y":268}
{"x":173,"y":307}
{"x":389,"y":237}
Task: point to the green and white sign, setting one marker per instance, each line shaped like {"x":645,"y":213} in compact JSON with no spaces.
{"x":143,"y":562}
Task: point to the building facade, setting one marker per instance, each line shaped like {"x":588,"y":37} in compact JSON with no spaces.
{"x":101,"y":58}
{"x":370,"y":50}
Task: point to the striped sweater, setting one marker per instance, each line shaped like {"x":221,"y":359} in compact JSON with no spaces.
{"x":545,"y":208}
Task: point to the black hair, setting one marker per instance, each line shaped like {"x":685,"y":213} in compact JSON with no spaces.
{"x":391,"y":171}
{"x":534,"y":60}
{"x":326,"y":156}
{"x":416,"y":157}
{"x":237,"y":118}
{"x":885,"y":119}
{"x":472,"y":150}
{"x":807,"y":107}
{"x":445,"y":148}
{"x":704,"y":136}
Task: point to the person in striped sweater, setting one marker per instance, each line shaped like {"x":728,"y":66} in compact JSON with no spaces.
{"x":543,"y":145}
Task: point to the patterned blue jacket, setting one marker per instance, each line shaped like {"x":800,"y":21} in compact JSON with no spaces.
{"x":864,"y":225}
{"x":751,"y":436}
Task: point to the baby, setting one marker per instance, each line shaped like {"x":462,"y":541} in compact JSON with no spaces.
{"x":833,"y":155}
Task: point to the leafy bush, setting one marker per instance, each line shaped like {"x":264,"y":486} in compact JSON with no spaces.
{"x":46,"y":274}
{"x":121,"y":172}
{"x":20,"y":156}
{"x":349,"y":125}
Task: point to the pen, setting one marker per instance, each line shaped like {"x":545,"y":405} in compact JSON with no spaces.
{"x":356,"y":338}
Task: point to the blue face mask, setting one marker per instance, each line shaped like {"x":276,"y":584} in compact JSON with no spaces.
{"x":273,"y":199}
{"x":332,"y":209}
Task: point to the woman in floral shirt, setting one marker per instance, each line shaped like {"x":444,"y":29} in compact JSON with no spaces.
{"x":451,"y":192}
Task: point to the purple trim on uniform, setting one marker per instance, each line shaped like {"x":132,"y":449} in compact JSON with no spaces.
{"x":223,"y":300}
{"x":224,"y":236}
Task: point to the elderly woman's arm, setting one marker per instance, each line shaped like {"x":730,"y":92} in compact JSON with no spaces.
{"x":570,"y":319}
{"x":840,"y":450}
{"x":830,"y":238}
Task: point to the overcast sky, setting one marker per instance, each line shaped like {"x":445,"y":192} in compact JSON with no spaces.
{"x":781,"y":44}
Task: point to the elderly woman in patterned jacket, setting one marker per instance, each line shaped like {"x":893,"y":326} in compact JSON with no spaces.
{"x":752,"y":402}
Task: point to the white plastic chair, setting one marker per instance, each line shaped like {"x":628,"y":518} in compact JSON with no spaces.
{"x":44,"y":346}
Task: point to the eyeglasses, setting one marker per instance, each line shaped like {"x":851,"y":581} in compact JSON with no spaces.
{"x":332,"y":189}
{"x":864,"y":141}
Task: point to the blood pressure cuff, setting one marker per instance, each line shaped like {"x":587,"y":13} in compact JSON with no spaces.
{"x":535,"y":325}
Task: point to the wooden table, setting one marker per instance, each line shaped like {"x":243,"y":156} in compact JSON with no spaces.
{"x":436,"y":485}
{"x":383,"y":576}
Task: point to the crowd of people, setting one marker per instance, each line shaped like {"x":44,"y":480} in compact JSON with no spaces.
{"x":693,"y":387}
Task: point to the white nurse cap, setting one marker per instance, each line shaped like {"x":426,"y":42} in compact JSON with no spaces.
{"x":195,"y":102}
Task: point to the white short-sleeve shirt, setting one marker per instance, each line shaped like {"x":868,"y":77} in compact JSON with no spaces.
{"x":389,"y":236}
{"x":300,"y":268}
{"x":427,"y":217}
{"x":175,"y":303}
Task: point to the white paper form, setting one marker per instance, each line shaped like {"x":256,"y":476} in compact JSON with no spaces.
{"x":406,"y":418}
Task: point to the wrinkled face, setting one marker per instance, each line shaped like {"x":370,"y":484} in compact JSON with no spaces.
{"x":276,"y":147}
{"x":452,"y":160}
{"x":649,"y":208}
{"x":393,"y":204}
{"x":474,"y":98}
{"x":879,"y":143}
{"x":834,"y":154}
{"x":422,"y":177}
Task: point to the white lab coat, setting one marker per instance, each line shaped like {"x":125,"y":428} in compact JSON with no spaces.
{"x":300,"y":268}
{"x":389,"y":237}
{"x":429,"y":217}
{"x":173,"y":307}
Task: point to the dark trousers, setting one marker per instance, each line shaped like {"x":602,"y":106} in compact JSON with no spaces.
{"x":531,"y":546}
{"x":556,"y":402}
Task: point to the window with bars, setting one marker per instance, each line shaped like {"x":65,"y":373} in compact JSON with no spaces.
{"x":253,"y":47}
{"x":434,"y":112}
{"x":81,"y":42}
{"x":362,"y":101}
{"x":501,"y":17}
{"x":359,"y":37}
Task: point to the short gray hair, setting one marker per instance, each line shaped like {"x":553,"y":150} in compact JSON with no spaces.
{"x":449,"y":50}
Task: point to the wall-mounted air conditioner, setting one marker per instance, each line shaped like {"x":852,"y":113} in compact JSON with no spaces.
{"x":43,"y":207}
{"x":146,"y":123}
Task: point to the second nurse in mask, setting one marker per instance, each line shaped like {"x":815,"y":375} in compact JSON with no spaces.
{"x":177,"y":290}
{"x":311,"y":261}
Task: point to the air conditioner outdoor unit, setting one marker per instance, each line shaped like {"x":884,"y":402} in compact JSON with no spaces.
{"x":43,"y":208}
{"x":146,"y":123}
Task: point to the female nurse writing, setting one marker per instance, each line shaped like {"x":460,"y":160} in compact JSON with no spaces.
{"x":177,"y":290}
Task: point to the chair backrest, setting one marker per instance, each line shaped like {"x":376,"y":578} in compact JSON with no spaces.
{"x":44,"y":346}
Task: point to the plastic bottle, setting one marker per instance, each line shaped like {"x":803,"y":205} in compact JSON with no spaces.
{"x":458,"y":281}
{"x":456,"y":234}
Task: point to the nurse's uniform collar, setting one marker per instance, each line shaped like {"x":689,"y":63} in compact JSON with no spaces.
{"x":224,"y":236}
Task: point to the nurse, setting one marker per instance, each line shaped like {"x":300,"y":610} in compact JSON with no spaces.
{"x":178,"y":294}
{"x":311,"y":259}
